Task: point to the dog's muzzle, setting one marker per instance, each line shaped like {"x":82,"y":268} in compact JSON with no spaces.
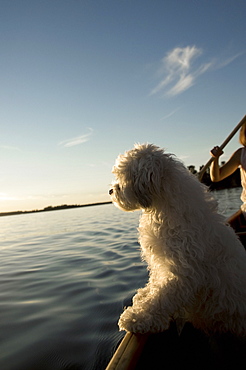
{"x":111,"y":191}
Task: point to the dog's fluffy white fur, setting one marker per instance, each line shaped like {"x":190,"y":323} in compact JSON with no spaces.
{"x":197,"y":265}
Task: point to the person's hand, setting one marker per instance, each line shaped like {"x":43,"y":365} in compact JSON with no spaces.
{"x":216,"y":152}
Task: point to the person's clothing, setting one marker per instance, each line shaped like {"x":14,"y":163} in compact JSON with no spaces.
{"x":243,"y":179}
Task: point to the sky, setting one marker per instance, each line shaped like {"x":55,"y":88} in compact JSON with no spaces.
{"x":81,"y":81}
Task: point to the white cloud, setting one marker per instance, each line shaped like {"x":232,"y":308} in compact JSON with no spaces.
{"x":180,"y":71}
{"x":8,"y":147}
{"x":77,"y":140}
{"x":181,"y":68}
{"x":7,"y":197}
{"x":229,"y":60}
{"x":170,"y":114}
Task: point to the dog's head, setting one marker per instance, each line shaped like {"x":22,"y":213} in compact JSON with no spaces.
{"x":139,"y":177}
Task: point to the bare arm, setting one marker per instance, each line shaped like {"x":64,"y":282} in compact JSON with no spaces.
{"x":219,"y":173}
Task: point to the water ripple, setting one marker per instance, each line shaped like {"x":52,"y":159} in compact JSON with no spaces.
{"x":64,"y":277}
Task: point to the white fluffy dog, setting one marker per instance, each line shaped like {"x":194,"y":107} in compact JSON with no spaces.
{"x":197,"y":266}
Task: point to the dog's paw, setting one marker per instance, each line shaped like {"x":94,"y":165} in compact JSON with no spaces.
{"x":140,"y":322}
{"x":133,"y":321}
{"x":141,"y":296}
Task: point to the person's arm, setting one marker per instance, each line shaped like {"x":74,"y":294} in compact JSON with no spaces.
{"x":219,"y":173}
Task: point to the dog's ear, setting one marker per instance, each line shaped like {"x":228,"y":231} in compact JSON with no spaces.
{"x":142,"y":193}
{"x":148,"y":181}
{"x":144,"y":187}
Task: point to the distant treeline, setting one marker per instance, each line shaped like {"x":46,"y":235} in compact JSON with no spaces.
{"x":232,"y":181}
{"x":51,"y":208}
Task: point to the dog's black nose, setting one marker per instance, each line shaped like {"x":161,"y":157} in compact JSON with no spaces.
{"x":111,"y":191}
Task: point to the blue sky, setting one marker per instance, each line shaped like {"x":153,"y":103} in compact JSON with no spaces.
{"x":82,"y":81}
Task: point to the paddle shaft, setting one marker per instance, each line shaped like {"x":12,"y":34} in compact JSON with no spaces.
{"x":239,"y":125}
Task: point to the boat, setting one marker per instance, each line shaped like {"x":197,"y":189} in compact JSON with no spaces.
{"x":191,"y":348}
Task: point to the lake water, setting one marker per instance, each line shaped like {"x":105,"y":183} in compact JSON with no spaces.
{"x":65,"y":277}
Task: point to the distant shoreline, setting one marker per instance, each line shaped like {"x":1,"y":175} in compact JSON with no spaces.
{"x":53,"y":208}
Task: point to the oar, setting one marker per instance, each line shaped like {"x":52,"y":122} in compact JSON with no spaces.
{"x":201,"y":173}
